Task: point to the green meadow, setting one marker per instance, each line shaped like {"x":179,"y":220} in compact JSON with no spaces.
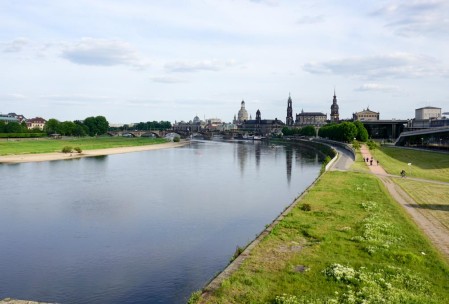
{"x":34,"y":146}
{"x":424,"y":164}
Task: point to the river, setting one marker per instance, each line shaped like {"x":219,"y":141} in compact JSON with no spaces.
{"x":146,"y":227}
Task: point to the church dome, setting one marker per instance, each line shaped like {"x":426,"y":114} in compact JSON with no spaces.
{"x":196,"y":119}
{"x":242,"y":114}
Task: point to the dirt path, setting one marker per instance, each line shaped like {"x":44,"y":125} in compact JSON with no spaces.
{"x":434,"y":229}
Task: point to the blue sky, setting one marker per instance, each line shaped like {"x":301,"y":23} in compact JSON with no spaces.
{"x":136,"y":60}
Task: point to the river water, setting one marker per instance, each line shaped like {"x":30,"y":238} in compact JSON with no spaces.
{"x":146,"y":227}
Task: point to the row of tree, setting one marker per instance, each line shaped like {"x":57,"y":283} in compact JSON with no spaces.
{"x":345,"y":131}
{"x":144,"y":126}
{"x":305,"y":131}
{"x":15,"y":127}
{"x":91,"y":126}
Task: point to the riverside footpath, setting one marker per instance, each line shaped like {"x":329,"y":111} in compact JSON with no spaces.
{"x":432,"y":227}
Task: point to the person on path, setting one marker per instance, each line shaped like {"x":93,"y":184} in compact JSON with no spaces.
{"x":371,"y":162}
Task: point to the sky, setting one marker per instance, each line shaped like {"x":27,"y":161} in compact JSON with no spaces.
{"x":146,"y":60}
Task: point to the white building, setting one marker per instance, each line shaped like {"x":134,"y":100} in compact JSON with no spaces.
{"x":428,"y":113}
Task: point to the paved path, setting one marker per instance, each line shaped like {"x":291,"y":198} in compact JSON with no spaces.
{"x":344,"y":161}
{"x":432,"y":227}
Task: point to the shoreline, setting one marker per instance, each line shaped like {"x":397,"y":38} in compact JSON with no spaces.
{"x":41,"y":157}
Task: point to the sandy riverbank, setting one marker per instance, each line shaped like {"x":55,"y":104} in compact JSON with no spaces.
{"x":24,"y":158}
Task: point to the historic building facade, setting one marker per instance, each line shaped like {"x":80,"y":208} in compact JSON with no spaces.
{"x":36,"y":123}
{"x":366,"y":115}
{"x":261,"y":126}
{"x":316,"y":119}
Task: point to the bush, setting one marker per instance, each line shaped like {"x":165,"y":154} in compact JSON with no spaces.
{"x":78,"y":149}
{"x":306,"y":207}
{"x":22,"y":135}
{"x":67,"y":149}
{"x":195,"y":297}
{"x":356,"y":144}
{"x":176,"y":139}
{"x":238,"y":251}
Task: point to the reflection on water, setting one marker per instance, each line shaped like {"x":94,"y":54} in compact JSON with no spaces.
{"x":147,"y":227}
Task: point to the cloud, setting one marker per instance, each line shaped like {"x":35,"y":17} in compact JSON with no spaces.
{"x":14,"y":46}
{"x":165,"y":79}
{"x":377,"y":87}
{"x":77,"y":99}
{"x":267,"y":2}
{"x":397,"y":65}
{"x":103,"y":52}
{"x":12,"y":97}
{"x":411,"y":18}
{"x":204,"y":65}
{"x":310,"y":19}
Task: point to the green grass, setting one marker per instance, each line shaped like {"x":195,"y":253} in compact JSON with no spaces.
{"x":359,"y":164}
{"x":355,"y":243}
{"x":34,"y":146}
{"x":432,"y":199}
{"x":427,"y":165}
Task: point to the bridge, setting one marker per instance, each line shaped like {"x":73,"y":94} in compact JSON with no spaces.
{"x":135,"y":133}
{"x":435,"y":138}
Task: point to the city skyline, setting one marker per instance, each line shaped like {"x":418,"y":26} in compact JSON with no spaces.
{"x":136,"y":61}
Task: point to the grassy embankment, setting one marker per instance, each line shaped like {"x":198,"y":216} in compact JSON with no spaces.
{"x":355,"y":244}
{"x":34,"y":146}
{"x":432,"y":198}
{"x":426,"y":165}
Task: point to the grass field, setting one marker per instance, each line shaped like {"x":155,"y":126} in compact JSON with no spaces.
{"x":431,"y":198}
{"x":356,"y":245}
{"x":359,"y":163}
{"x":427,"y":165}
{"x":33,"y":146}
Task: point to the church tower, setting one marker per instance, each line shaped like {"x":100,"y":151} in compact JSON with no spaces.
{"x":334,"y":110}
{"x":289,"y":118}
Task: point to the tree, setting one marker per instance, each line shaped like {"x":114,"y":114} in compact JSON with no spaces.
{"x":308,"y":131}
{"x":80,"y":128}
{"x":52,"y":126}
{"x":67,"y":127}
{"x":362,"y":133}
{"x":13,"y":127}
{"x":102,"y":124}
{"x":96,"y":125}
{"x":348,"y":131}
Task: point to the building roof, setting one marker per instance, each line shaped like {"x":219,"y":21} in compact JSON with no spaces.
{"x":311,"y":114}
{"x":366,"y":111}
{"x":434,"y":108}
{"x":264,"y":122}
{"x":36,"y":120}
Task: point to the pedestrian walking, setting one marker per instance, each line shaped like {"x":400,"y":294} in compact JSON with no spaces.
{"x":371,"y":162}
